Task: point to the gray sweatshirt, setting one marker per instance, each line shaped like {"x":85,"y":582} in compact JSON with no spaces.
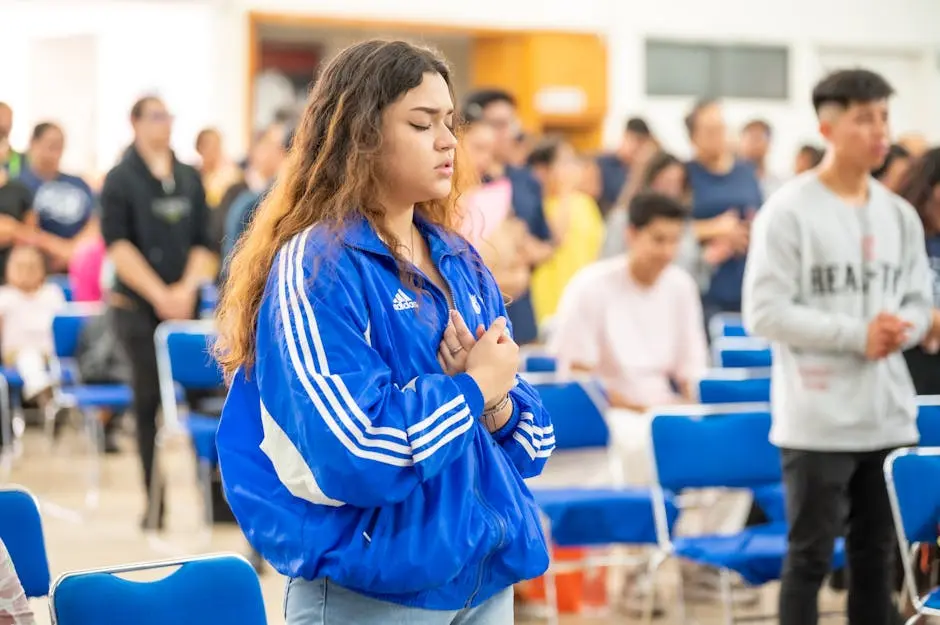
{"x":818,"y":270}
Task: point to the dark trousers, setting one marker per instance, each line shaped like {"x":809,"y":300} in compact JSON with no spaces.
{"x":134,"y":329}
{"x":826,"y":493}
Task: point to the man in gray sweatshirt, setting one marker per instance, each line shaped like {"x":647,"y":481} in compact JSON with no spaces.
{"x":838,"y":280}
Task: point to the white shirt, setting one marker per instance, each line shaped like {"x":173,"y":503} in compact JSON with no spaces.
{"x":27,"y":319}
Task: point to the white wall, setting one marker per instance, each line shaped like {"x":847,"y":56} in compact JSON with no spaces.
{"x":195,"y":52}
{"x":906,"y":27}
{"x":142,"y":47}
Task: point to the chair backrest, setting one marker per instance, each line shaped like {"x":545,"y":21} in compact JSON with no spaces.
{"x":928,"y":420}
{"x":731,"y":386}
{"x":722,"y":445}
{"x":726,"y":324}
{"x":911,"y":475}
{"x":62,"y":281}
{"x":184,"y":358}
{"x":577,"y":409}
{"x":747,"y":352}
{"x":208,"y":300}
{"x":21,"y":533}
{"x":68,"y":324}
{"x":208,"y":590}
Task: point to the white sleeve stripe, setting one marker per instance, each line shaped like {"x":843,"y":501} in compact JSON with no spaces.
{"x":290,"y":274}
{"x":421,"y":441}
{"x":338,"y":432}
{"x":295,"y":287}
{"x":300,"y":243}
{"x":525,"y":444}
{"x":454,"y":433}
{"x":426,"y":423}
{"x":324,"y":387}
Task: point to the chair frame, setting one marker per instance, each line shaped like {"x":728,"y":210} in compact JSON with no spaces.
{"x":907,"y":549}
{"x":133,"y":568}
{"x":652,"y":563}
{"x":171,"y":424}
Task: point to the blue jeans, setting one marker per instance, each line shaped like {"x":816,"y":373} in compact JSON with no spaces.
{"x":322,"y":602}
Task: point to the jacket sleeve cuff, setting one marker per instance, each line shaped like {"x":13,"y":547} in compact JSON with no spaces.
{"x":510,"y":426}
{"x":471,"y":393}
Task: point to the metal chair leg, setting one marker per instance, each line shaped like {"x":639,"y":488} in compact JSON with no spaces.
{"x":205,"y":478}
{"x":727,"y":600}
{"x":95,"y":433}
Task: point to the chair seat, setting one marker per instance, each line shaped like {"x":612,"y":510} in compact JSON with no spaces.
{"x":601,"y":516}
{"x":113,"y":396}
{"x":756,"y":553}
{"x":932,"y":601}
{"x":15,"y":380}
{"x":202,"y":430}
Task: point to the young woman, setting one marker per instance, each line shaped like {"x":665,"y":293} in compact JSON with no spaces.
{"x":372,"y":449}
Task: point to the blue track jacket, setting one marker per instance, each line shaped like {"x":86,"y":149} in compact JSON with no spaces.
{"x":347,"y":453}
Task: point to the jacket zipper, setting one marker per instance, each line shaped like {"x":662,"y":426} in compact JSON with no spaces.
{"x":501,"y":528}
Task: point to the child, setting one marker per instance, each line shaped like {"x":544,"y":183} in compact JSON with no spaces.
{"x":27,"y":307}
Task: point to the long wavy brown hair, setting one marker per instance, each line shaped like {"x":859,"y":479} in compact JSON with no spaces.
{"x":331,"y":174}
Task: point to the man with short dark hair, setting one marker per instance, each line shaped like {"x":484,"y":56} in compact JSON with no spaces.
{"x":838,"y":279}
{"x":635,"y":320}
{"x":154,"y":221}
{"x":497,"y":109}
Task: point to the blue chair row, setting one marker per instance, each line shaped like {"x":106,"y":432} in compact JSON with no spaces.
{"x":206,"y":590}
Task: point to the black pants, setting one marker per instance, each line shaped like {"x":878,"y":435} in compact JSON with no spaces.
{"x":826,"y":493}
{"x":135,"y":332}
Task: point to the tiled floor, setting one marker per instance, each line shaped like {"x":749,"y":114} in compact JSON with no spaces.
{"x":81,"y":536}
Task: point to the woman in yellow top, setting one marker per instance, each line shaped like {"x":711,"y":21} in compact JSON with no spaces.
{"x":574,"y":218}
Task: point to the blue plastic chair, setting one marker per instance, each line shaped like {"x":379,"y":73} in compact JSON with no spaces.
{"x":591,"y":516}
{"x":208,"y":590}
{"x":726,"y":324}
{"x":21,"y":533}
{"x":66,"y":330}
{"x":699,"y":447}
{"x":185,"y":362}
{"x":912,"y":475}
{"x":744,"y":352}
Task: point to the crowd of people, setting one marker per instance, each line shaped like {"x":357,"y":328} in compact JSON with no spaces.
{"x":614,"y":263}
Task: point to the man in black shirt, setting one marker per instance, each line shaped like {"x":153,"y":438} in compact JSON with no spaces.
{"x":154,"y":221}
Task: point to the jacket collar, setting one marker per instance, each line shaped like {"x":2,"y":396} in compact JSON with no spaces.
{"x":358,"y":232}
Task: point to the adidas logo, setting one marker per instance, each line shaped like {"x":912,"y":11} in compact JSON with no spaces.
{"x":401,"y":301}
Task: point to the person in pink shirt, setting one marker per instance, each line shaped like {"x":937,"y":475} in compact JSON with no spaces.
{"x":85,"y":270}
{"x":635,"y":320}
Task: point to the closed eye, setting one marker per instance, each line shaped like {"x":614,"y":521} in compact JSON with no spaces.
{"x":420,"y":127}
